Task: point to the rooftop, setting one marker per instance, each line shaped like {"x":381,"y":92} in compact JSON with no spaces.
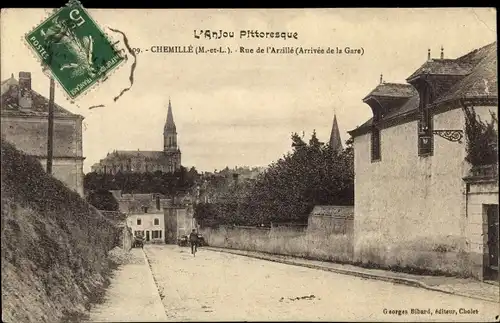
{"x":40,"y":104}
{"x":477,"y":73}
{"x":396,"y":90}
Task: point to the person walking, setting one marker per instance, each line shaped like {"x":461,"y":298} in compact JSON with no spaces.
{"x":193,"y":240}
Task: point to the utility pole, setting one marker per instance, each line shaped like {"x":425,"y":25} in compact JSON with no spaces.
{"x":50,"y":142}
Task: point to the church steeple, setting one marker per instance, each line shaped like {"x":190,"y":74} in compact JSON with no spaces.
{"x":169,"y":131}
{"x":335,"y":141}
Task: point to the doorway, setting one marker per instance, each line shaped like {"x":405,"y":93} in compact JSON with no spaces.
{"x":147,"y":235}
{"x":491,"y":252}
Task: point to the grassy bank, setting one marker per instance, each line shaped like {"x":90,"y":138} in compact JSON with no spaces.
{"x":54,"y":245}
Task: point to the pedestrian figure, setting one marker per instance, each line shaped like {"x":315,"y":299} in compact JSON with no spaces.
{"x":193,"y":240}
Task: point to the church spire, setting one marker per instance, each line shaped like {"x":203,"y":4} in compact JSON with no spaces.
{"x":170,"y":124}
{"x":335,"y":141}
{"x":169,"y":131}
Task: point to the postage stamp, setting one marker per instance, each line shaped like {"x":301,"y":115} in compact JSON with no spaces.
{"x":74,"y":48}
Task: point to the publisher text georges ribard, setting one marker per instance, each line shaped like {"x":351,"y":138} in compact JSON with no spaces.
{"x":428,"y":311}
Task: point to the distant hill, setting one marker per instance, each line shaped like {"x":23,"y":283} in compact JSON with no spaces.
{"x":54,"y":244}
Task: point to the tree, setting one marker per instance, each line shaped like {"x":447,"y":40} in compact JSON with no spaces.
{"x":482,"y":139}
{"x":310,"y":175}
{"x":103,"y":199}
{"x":179,"y":182}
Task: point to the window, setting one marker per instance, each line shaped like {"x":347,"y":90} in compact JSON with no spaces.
{"x":139,"y":221}
{"x":425,"y":137}
{"x":158,"y":206}
{"x":157,"y":221}
{"x":375,"y":143}
{"x":156,"y":234}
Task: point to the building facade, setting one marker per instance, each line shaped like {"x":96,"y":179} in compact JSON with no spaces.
{"x":179,"y":220}
{"x":141,"y":202}
{"x":168,"y":160}
{"x":148,"y":225}
{"x":24,"y":123}
{"x":414,"y":201}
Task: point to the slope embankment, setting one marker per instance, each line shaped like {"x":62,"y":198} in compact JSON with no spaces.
{"x":54,"y":245}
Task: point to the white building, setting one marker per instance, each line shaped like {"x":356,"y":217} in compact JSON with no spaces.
{"x":418,"y":202}
{"x":149,"y":225}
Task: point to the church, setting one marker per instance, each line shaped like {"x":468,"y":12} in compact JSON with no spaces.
{"x":137,"y":161}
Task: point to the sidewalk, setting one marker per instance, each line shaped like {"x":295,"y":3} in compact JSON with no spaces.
{"x":471,"y":288}
{"x":132,"y":295}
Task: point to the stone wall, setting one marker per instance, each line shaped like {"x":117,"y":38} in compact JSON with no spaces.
{"x":331,"y":219}
{"x":292,"y":241}
{"x":127,"y":238}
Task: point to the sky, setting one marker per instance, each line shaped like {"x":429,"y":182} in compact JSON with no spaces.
{"x":240,"y":109}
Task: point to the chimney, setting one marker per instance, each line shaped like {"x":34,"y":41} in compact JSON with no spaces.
{"x":429,"y":54}
{"x":25,"y":90}
{"x":442,"y":52}
{"x":381,"y":78}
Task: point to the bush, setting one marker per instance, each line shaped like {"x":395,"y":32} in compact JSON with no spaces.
{"x":103,"y":200}
{"x":482,"y":139}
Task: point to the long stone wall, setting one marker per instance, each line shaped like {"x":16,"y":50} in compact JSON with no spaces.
{"x":292,"y":241}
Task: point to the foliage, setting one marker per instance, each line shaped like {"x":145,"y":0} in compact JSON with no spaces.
{"x":181,"y":181}
{"x":482,"y":139}
{"x":54,"y":245}
{"x":103,"y":200}
{"x":312,"y":174}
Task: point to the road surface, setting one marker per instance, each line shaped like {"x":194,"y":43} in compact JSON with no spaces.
{"x":220,"y":286}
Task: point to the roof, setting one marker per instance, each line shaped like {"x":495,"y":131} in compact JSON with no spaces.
{"x":40,"y":105}
{"x":335,"y":141}
{"x":476,"y":71}
{"x":408,"y":107}
{"x":442,"y":67}
{"x":169,"y":124}
{"x":482,"y":82}
{"x":396,"y":90}
{"x":129,"y":154}
{"x":333,"y":210}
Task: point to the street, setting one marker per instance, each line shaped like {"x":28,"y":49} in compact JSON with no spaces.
{"x":221,"y":286}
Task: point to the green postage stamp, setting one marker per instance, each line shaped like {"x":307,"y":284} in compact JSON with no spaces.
{"x":74,"y":48}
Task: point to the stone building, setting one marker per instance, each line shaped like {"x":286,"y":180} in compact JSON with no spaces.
{"x":418,"y":202}
{"x":148,"y":225}
{"x":139,"y":161}
{"x":141,"y":202}
{"x":24,"y":122}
